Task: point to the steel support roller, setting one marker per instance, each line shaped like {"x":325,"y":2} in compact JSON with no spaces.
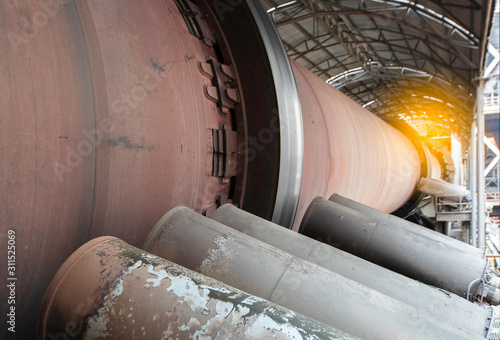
{"x":402,"y":250}
{"x":379,"y":216}
{"x":215,"y":250}
{"x":445,"y":306}
{"x":108,"y":289}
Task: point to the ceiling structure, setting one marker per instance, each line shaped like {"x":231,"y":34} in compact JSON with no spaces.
{"x":412,"y":60}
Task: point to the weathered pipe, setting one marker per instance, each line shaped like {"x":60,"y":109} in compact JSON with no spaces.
{"x":108,"y":289}
{"x":435,"y":187}
{"x":447,"y":307}
{"x":402,"y":250}
{"x":215,"y":250}
{"x":397,"y":222}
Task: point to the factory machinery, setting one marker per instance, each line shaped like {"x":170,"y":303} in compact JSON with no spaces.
{"x":117,"y":112}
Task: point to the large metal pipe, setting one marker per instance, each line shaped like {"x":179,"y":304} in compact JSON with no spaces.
{"x":349,"y":150}
{"x":445,"y":306}
{"x":108,"y":289}
{"x":399,"y":249}
{"x":437,"y":187}
{"x":379,"y":216}
{"x":213,"y":249}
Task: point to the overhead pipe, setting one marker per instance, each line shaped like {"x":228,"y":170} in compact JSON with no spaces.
{"x":108,"y":289}
{"x":437,"y":187}
{"x":447,"y":307}
{"x":379,"y":216}
{"x":402,"y":250}
{"x":215,"y":250}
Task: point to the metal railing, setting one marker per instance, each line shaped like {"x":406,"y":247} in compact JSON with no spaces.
{"x":453,"y":203}
{"x":493,"y":197}
{"x":491,"y":104}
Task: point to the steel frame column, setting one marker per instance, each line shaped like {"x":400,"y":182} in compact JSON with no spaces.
{"x":481,"y":236}
{"x":473,"y":183}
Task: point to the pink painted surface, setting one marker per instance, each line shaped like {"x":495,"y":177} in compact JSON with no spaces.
{"x":350,"y":151}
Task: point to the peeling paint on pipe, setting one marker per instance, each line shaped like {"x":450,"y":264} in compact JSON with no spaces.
{"x":110,"y":290}
{"x":402,"y":250}
{"x":397,"y":222}
{"x":215,"y":250}
{"x":444,"y":305}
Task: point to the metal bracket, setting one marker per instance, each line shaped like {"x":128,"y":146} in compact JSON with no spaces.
{"x":222,"y":91}
{"x":196,"y":22}
{"x":225,"y":148}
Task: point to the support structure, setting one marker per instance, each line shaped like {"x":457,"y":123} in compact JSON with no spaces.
{"x":481,"y":233}
{"x":473,"y":183}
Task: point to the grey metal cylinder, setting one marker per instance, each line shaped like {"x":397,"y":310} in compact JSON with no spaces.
{"x":435,"y":187}
{"x":215,"y":250}
{"x":397,"y":222}
{"x":110,"y":290}
{"x":444,"y":305}
{"x":402,"y":250}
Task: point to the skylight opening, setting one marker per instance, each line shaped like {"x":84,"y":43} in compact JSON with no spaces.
{"x":339,"y":76}
{"x":286,"y":4}
{"x":370,"y":103}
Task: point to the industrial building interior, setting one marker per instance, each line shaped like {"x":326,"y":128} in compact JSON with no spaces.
{"x":250,"y":169}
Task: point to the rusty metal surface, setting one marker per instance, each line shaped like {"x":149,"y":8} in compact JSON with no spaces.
{"x":108,"y":289}
{"x":402,"y":250}
{"x":215,"y":250}
{"x":156,"y":153}
{"x":376,"y":216}
{"x":47,"y":107}
{"x":446,"y":306}
{"x":104,"y":126}
{"x":350,"y":151}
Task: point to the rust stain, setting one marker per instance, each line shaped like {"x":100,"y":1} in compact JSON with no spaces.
{"x":127,"y":143}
